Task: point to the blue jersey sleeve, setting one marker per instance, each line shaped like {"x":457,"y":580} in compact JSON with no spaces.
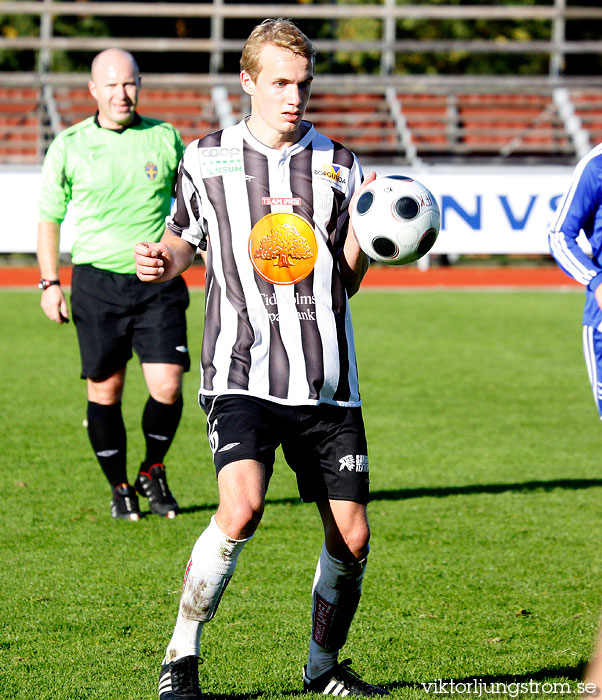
{"x":579,"y":210}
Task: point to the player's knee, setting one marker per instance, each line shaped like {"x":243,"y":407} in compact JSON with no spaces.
{"x":357,"y":542}
{"x":239,"y":520}
{"x":349,"y":544}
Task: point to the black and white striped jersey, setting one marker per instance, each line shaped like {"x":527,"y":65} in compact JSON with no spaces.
{"x":277,"y":321}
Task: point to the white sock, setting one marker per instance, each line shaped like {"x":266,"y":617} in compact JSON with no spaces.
{"x":336,"y":594}
{"x":210,"y":568}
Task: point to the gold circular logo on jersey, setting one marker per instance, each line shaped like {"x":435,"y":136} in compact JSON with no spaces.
{"x":283,"y":248}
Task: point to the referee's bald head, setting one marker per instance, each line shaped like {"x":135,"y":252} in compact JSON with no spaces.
{"x":108,"y":57}
{"x":115,"y":84}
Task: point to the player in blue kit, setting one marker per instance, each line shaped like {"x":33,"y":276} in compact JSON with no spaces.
{"x":581,"y":209}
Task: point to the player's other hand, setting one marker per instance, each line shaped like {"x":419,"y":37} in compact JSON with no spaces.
{"x":151,"y":259}
{"x":54,"y":304}
{"x":370,"y":177}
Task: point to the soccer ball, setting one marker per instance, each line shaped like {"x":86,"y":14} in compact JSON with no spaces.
{"x":396,"y":220}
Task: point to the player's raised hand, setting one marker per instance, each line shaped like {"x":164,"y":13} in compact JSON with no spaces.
{"x":54,"y":304}
{"x":370,"y":177}
{"x":353,"y":261}
{"x":151,"y":259}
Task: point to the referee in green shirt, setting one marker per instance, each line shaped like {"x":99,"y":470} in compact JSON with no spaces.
{"x":116,"y":171}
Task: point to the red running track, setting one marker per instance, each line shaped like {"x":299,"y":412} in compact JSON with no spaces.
{"x":377,"y":277}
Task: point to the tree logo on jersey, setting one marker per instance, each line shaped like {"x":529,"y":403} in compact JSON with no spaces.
{"x":151,"y":171}
{"x":283,"y":244}
{"x":283,"y":248}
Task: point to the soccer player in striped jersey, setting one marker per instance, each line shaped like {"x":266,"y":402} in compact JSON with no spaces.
{"x":267,"y":202}
{"x":581,"y":210}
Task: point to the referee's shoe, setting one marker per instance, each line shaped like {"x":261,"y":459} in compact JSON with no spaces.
{"x":124,"y":504}
{"x":152,"y":484}
{"x":341,"y":680}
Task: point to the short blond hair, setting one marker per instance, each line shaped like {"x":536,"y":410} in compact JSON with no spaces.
{"x":278,"y":32}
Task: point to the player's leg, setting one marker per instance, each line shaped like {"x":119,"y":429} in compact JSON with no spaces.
{"x":338,"y":581}
{"x":211,"y":566}
{"x":214,"y":556}
{"x":592,"y":351}
{"x":160,"y":421}
{"x":336,"y":594}
{"x":241,"y":436}
{"x":159,"y":338}
{"x":332,"y":468}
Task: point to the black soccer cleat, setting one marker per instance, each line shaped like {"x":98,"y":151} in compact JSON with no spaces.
{"x":179,"y":680}
{"x":152,"y":484}
{"x":341,"y":680}
{"x":124,"y":504}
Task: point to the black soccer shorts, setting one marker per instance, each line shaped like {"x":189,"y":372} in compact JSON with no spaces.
{"x":116,"y":313}
{"x":324,"y":445}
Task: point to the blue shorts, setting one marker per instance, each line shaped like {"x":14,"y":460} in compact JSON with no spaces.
{"x":592,"y":351}
{"x":115,"y":314}
{"x":324,"y":445}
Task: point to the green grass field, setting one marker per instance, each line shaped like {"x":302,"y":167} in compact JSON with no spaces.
{"x":487,"y":482}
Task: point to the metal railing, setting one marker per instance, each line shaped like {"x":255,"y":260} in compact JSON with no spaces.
{"x":405,"y":134}
{"x":557,"y":14}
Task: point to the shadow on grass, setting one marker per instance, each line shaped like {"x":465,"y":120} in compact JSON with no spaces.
{"x":533,"y":683}
{"x":252,"y":696}
{"x":212,"y":507}
{"x":443,"y":491}
{"x":232,"y":696}
{"x":438,"y":492}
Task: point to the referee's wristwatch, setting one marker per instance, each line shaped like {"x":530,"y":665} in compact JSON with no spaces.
{"x":44,"y":284}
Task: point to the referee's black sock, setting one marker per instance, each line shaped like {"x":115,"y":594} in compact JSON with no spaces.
{"x":159,"y":424}
{"x":107,"y":436}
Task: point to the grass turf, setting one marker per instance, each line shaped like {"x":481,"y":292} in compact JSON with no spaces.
{"x":486,"y":481}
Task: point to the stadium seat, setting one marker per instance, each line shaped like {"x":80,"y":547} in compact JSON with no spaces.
{"x":20,"y":125}
{"x":440,"y":126}
{"x":362,"y":121}
{"x":588,"y":108}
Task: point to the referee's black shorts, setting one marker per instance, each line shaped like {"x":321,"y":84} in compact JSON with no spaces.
{"x":117,"y":313}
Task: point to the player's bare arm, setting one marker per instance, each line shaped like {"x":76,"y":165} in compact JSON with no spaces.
{"x":53,"y":300}
{"x":598,"y":295}
{"x":353,"y":261}
{"x":164,"y":260}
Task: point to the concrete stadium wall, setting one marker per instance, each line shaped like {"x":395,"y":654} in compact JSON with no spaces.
{"x":484,"y":210}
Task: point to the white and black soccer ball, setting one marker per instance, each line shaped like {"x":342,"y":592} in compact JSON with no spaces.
{"x":396,"y":220}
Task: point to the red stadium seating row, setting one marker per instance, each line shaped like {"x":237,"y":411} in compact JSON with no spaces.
{"x":191,"y":111}
{"x":588,"y":108}
{"x":374,"y":124}
{"x":20,"y":125}
{"x":485,"y":124}
{"x":362,"y":121}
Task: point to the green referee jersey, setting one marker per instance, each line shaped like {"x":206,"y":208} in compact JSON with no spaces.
{"x":119,"y":186}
